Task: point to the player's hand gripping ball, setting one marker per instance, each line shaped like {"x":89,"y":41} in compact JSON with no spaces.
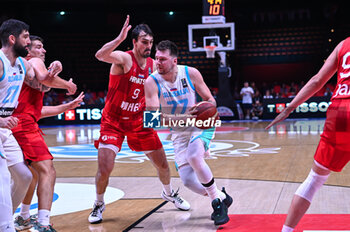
{"x":206,"y":111}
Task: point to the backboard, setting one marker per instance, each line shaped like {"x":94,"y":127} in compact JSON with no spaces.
{"x":221,"y":35}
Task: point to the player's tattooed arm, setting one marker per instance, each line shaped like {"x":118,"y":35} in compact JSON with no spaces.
{"x":35,"y":84}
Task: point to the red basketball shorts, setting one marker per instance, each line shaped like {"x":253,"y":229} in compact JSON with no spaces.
{"x":138,"y":138}
{"x":33,"y":146}
{"x":333,"y":150}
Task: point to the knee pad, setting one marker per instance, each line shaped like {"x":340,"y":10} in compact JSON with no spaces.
{"x":311,"y":185}
{"x":109,"y":146}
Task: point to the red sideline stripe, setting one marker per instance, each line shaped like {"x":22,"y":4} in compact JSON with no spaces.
{"x":274,"y":222}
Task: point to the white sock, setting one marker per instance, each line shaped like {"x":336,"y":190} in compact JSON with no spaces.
{"x":222,"y":195}
{"x":167,"y":189}
{"x":287,"y":229}
{"x":213,"y":191}
{"x":25,"y":211}
{"x":100,"y":197}
{"x":44,"y":217}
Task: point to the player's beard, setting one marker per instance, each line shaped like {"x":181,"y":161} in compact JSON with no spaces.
{"x":146,"y":55}
{"x":20,"y":50}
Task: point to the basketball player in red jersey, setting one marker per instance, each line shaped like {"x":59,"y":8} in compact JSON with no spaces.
{"x":333,"y":151}
{"x":123,"y":114}
{"x":29,"y":136}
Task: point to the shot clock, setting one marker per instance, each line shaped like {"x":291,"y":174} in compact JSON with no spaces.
{"x":213,"y":11}
{"x":213,"y":7}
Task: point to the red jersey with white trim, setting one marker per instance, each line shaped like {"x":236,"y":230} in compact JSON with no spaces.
{"x":126,"y":98}
{"x":343,"y":77}
{"x":28,"y":111}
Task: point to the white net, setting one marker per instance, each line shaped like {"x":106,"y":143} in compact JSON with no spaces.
{"x":210,"y":50}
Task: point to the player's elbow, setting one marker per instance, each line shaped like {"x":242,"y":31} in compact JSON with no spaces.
{"x":99,"y":56}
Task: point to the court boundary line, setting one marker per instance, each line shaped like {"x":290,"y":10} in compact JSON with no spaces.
{"x":132,"y":226}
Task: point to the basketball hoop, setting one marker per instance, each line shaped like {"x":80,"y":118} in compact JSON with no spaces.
{"x":210,"y":50}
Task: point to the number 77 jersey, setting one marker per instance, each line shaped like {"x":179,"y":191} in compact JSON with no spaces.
{"x":10,"y":84}
{"x":177,"y":97}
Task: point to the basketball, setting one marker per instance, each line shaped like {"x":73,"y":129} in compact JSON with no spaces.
{"x":205,"y":111}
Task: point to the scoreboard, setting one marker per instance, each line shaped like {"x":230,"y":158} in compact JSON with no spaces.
{"x":213,"y":7}
{"x":213,"y":11}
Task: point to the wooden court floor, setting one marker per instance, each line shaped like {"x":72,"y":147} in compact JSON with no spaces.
{"x":260,"y":169}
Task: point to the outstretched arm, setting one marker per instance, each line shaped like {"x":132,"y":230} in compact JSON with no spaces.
{"x":312,"y":86}
{"x":107,"y":53}
{"x":50,"y":81}
{"x":48,"y":111}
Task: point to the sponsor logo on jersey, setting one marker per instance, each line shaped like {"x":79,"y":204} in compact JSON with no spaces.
{"x":20,"y":69}
{"x":6,"y":111}
{"x":106,"y":137}
{"x":184,"y":83}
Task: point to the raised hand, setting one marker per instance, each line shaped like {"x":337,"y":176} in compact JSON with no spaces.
{"x":77,"y":101}
{"x":126,"y":27}
{"x":72,"y":88}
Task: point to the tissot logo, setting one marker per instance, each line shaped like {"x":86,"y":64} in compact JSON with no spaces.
{"x":81,"y":114}
{"x":280,"y":107}
{"x":69,"y":115}
{"x":305,"y":107}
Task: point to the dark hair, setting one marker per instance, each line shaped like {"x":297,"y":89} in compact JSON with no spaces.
{"x":137,"y":30}
{"x":168,"y":45}
{"x":33,"y":38}
{"x":11,"y":27}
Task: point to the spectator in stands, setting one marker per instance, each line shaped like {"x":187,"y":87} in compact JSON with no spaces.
{"x":277,"y":95}
{"x":264,"y":87}
{"x":328,"y":92}
{"x":257,"y":110}
{"x":48,"y":101}
{"x":100,"y":98}
{"x":293,"y":88}
{"x":257,"y":96}
{"x":89,"y":99}
{"x":276,"y":88}
{"x":252,"y":84}
{"x":236,"y":94}
{"x":247,"y":94}
{"x":268,"y":95}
